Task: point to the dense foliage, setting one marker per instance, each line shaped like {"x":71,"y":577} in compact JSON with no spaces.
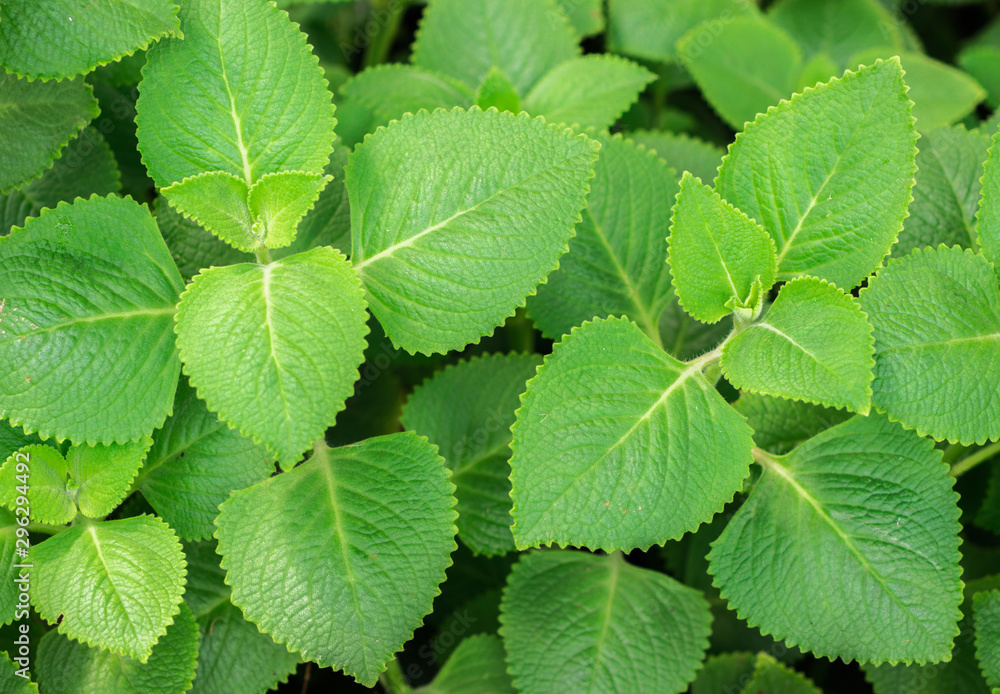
{"x":494,"y":346}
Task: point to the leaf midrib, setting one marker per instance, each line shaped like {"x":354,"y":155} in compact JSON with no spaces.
{"x":616,"y":563}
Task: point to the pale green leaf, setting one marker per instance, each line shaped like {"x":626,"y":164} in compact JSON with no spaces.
{"x":64,"y":38}
{"x":838,"y":29}
{"x":616,"y":264}
{"x":772,"y":677}
{"x":392,"y":90}
{"x":104,"y":474}
{"x":496,"y":91}
{"x":987,"y":618}
{"x":634,"y":630}
{"x":279,"y":201}
{"x":730,"y":670}
{"x":467,"y":411}
{"x":114,"y":584}
{"x":194,"y":464}
{"x":70,"y":667}
{"x":523,"y":38}
{"x":230,"y":96}
{"x":814,"y":344}
{"x":936,"y":315}
{"x":650,"y":28}
{"x":862,"y":515}
{"x":478,"y":666}
{"x":833,"y":189}
{"x":217,"y":201}
{"x":87,"y":297}
{"x":609,"y":423}
{"x":274,"y":349}
{"x":988,"y":213}
{"x":13,"y":683}
{"x":716,"y":253}
{"x":592,"y":91}
{"x":192,"y":246}
{"x":236,"y":658}
{"x":750,"y":65}
{"x":682,"y":152}
{"x":684,"y":337}
{"x":341,"y":557}
{"x":947,"y":190}
{"x":779,"y":425}
{"x":37,"y":120}
{"x":49,"y":499}
{"x":586,"y":16}
{"x":983,"y":64}
{"x":941,"y":94}
{"x":448,"y":246}
{"x":85,"y":167}
{"x":9,"y":589}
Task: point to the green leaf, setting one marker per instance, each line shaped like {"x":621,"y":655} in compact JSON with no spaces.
{"x":861,"y":515}
{"x":37,"y":120}
{"x":682,"y":151}
{"x":837,"y":29}
{"x":616,"y":261}
{"x":780,"y":425}
{"x":619,"y":614}
{"x":88,"y":293}
{"x":70,"y":667}
{"x":392,"y":90}
{"x":936,"y":315}
{"x":983,"y":64}
{"x":750,"y":65}
{"x":341,"y":557}
{"x":64,"y":39}
{"x":9,"y":589}
{"x":206,"y":588}
{"x":685,"y":338}
{"x":988,"y":213}
{"x":115,"y":584}
{"x":467,"y":410}
{"x":609,"y":422}
{"x":13,"y":683}
{"x":192,"y":246}
{"x":49,"y":499}
{"x":774,"y":678}
{"x":497,"y":91}
{"x":590,"y":91}
{"x":85,"y":167}
{"x":814,"y":344}
{"x":478,"y":666}
{"x":987,"y":619}
{"x":716,"y":253}
{"x":650,"y":28}
{"x":446,"y":254}
{"x":730,"y":670}
{"x":941,"y":94}
{"x":217,"y":201}
{"x":292,"y":333}
{"x":523,"y":38}
{"x":104,"y":474}
{"x":231,"y":96}
{"x":586,"y":16}
{"x":835,"y":213}
{"x":236,"y":658}
{"x":194,"y":464}
{"x":947,"y":190}
{"x":13,"y":438}
{"x":279,"y":201}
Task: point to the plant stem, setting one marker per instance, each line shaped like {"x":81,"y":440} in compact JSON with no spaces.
{"x":393,"y":681}
{"x":954,"y":452}
{"x":263,"y":255}
{"x":46,"y":529}
{"x":971,"y":461}
{"x":521,"y":333}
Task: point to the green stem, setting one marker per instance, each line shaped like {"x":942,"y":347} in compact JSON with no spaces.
{"x":263,"y":255}
{"x":521,"y":333}
{"x":954,"y":452}
{"x":391,"y":13}
{"x":971,"y":461}
{"x":46,"y":529}
{"x":393,"y":681}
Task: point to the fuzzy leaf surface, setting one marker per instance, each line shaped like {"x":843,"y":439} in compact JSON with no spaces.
{"x":70,"y":667}
{"x":862,"y":515}
{"x":467,"y":410}
{"x":392,"y":90}
{"x":12,"y":682}
{"x":64,"y":38}
{"x":635,"y":631}
{"x":448,"y":246}
{"x":104,"y":474}
{"x":115,"y":584}
{"x":274,"y":349}
{"x":216,"y":200}
{"x":49,"y":499}
{"x":615,"y":265}
{"x":341,"y":557}
{"x":835,"y":212}
{"x":988,"y":214}
{"x":986,"y":607}
{"x":618,"y":445}
{"x":936,"y":315}
{"x":88,"y":293}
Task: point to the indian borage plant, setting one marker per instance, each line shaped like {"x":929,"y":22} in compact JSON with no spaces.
{"x":846,"y":544}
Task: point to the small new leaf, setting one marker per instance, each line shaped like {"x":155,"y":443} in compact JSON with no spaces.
{"x":43,"y":474}
{"x":217,"y":201}
{"x":279,"y":201}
